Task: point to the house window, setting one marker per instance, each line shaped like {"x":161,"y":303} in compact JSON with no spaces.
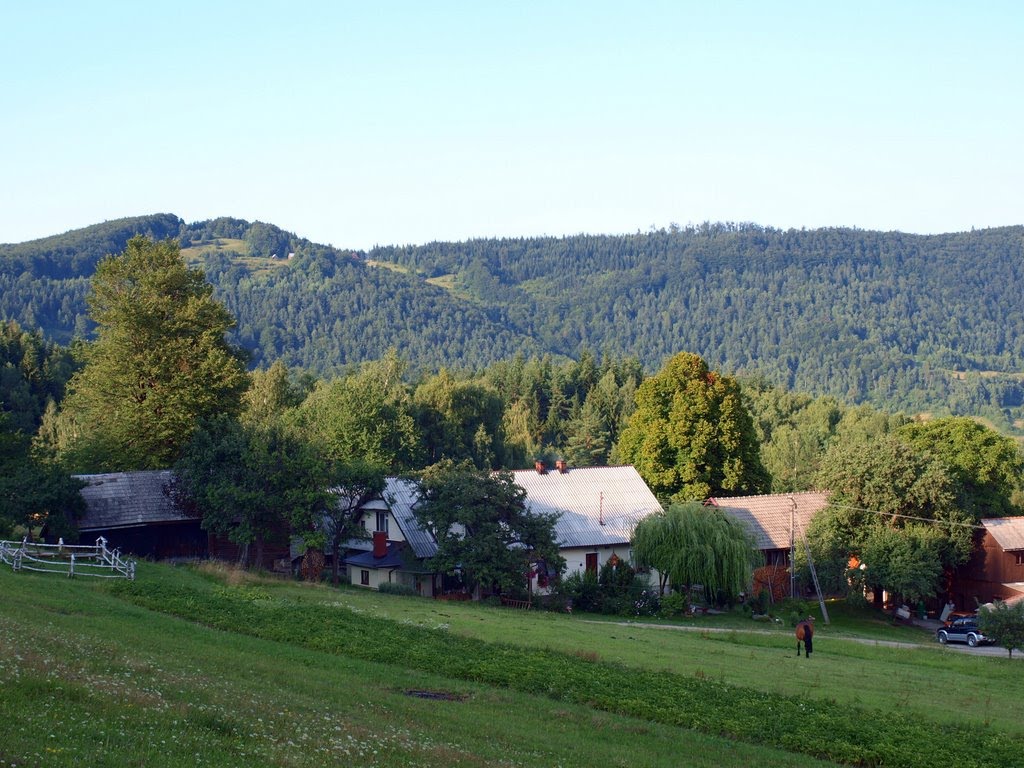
{"x":382,"y":522}
{"x":1019,"y":557}
{"x":592,"y":562}
{"x":364,"y":578}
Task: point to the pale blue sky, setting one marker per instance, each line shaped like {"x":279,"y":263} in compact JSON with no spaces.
{"x":362,"y":123}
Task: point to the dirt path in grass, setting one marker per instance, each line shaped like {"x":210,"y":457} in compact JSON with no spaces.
{"x":984,"y":650}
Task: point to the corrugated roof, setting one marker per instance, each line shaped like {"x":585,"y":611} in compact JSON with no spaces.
{"x":402,"y":496}
{"x":586,"y":497}
{"x":1007,"y":531}
{"x":768,"y":516}
{"x":127,"y":500}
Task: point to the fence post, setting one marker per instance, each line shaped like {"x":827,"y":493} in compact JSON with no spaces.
{"x":71,"y":570}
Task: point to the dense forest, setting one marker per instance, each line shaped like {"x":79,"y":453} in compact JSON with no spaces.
{"x":903,"y":322}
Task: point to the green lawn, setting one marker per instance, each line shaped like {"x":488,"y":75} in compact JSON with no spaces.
{"x":90,"y":677}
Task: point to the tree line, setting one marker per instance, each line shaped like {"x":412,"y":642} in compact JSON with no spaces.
{"x":902,"y":322}
{"x":161,"y":386}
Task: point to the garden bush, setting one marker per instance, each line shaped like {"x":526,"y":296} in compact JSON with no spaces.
{"x":388,"y":588}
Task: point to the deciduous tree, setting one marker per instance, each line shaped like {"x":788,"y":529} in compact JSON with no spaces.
{"x":986,"y":466}
{"x":159,"y":366}
{"x":879,"y":486}
{"x":252,"y":483}
{"x":1004,"y":623}
{"x":484,"y":531}
{"x":690,"y":544}
{"x":691,"y":436}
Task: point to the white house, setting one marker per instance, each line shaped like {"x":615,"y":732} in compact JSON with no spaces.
{"x":598,"y":506}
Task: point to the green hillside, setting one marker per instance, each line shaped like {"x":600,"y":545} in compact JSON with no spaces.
{"x":221,"y":668}
{"x":916,"y":323}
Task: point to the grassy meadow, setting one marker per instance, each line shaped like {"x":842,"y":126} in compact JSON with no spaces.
{"x":216,"y":667}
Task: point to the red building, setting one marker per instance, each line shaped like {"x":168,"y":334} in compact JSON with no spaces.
{"x":996,"y":568}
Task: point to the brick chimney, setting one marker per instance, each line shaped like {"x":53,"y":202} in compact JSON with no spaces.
{"x":380,"y":543}
{"x":539,"y":466}
{"x":561,"y":466}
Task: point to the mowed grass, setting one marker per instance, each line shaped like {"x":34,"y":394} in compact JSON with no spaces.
{"x":87,"y":678}
{"x":922,"y":679}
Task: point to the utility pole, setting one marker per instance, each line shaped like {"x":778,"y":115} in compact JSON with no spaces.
{"x":792,"y":547}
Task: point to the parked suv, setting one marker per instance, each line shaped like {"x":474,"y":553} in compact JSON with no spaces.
{"x":963,"y":629}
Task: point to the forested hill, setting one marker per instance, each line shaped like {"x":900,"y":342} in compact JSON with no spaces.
{"x":907,"y":321}
{"x":904,"y":321}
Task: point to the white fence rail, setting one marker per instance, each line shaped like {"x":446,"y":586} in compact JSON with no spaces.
{"x":68,"y":559}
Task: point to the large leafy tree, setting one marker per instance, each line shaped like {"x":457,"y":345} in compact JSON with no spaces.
{"x":905,"y":561}
{"x":253,"y":482}
{"x":366,"y":415}
{"x":36,"y":495}
{"x":484,"y":531}
{"x":459,"y":420}
{"x":353,"y":482}
{"x":691,"y":435}
{"x":159,"y":366}
{"x":690,"y":544}
{"x":877,"y":486}
{"x":986,"y":466}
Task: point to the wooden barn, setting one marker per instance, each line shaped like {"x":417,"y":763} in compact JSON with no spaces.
{"x":996,"y":568}
{"x":136,"y":513}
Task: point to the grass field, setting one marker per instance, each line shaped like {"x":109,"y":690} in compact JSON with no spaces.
{"x":236,"y":250}
{"x":100,"y":674}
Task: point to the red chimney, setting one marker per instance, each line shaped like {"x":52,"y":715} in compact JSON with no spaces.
{"x":539,"y":466}
{"x":380,"y":543}
{"x":561,"y":466}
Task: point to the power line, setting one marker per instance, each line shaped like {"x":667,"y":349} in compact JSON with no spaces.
{"x":975,"y":526}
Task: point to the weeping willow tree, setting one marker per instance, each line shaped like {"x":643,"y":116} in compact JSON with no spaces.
{"x":691,"y":545}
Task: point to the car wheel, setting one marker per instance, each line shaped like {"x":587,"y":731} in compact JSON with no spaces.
{"x":972,"y":640}
{"x":943,"y":637}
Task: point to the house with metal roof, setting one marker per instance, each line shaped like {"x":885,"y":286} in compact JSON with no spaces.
{"x":598,"y":509}
{"x":995,"y":570}
{"x":395,"y":548}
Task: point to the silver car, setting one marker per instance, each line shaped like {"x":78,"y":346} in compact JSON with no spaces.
{"x":963,"y":629}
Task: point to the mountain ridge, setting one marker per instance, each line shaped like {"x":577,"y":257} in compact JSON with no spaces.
{"x":912,"y":322}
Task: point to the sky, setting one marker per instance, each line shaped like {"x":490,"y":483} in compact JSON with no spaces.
{"x":366,"y":123}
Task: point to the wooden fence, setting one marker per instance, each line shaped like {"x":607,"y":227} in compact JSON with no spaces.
{"x":68,"y":559}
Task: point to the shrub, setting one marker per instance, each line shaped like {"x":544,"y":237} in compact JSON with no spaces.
{"x":647,"y":603}
{"x":673,"y":604}
{"x":794,"y":610}
{"x":389,"y":588}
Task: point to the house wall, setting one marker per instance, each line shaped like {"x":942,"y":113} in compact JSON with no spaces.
{"x":378,"y":576}
{"x":370,"y":524}
{"x":576,"y":557}
{"x":156,"y":541}
{"x":421,"y":582}
{"x":983,"y":577}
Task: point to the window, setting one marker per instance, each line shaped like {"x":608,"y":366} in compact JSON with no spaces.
{"x":1019,"y":557}
{"x":364,"y":578}
{"x":592,"y":562}
{"x":382,"y":522}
